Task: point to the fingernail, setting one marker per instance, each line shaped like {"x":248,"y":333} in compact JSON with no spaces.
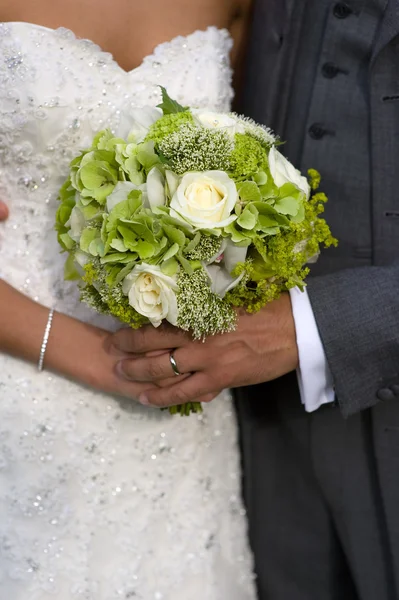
{"x":119,"y":370}
{"x":144,"y":400}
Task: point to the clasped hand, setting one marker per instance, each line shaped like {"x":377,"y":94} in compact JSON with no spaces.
{"x":263,"y":347}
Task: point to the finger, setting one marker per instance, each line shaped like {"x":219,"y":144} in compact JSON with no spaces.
{"x":206,"y":399}
{"x":172,"y":380}
{"x":156,"y":367}
{"x":193,"y":387}
{"x":149,"y":338}
{"x":3,"y":211}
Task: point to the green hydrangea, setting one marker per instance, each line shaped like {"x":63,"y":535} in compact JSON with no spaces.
{"x":248,"y":157}
{"x":278,"y":263}
{"x":167,"y":125}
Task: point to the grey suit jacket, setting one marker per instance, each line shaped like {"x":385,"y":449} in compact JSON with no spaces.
{"x":356,"y":309}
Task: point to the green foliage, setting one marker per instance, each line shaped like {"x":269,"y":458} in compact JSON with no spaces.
{"x":248,"y":158}
{"x":170,"y":106}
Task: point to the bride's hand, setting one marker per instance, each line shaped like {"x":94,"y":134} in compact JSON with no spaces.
{"x":75,"y":350}
{"x":80,"y":352}
{"x":3,"y":211}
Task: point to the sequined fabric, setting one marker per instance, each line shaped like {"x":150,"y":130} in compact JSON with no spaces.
{"x":102,"y":499}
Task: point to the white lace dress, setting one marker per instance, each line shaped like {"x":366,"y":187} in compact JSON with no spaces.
{"x":102,"y":499}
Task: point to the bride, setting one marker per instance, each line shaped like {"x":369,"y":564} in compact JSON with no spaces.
{"x":101,"y":498}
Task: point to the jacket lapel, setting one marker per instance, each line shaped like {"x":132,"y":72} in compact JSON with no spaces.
{"x":389,"y":28}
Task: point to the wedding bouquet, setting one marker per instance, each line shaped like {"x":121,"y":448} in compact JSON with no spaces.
{"x":188,"y":216}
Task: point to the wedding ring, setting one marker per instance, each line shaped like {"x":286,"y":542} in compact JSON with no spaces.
{"x":174,"y":364}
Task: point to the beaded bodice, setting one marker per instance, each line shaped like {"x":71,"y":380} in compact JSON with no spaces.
{"x":56,"y":91}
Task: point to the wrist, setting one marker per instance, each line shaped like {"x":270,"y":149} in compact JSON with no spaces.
{"x":75,"y":350}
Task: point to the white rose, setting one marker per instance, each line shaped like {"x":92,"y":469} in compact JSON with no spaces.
{"x":152,"y":293}
{"x":213,"y":120}
{"x":205,"y":200}
{"x":283,"y":172}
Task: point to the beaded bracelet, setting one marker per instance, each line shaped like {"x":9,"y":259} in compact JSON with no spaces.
{"x":45,"y":339}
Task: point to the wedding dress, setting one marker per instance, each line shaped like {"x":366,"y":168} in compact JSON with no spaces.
{"x":102,"y":498}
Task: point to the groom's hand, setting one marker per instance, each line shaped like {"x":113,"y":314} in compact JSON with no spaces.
{"x":263,"y":347}
{"x":3,"y":211}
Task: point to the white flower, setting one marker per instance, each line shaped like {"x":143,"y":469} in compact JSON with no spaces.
{"x":284,"y":172}
{"x":205,"y":200}
{"x":156,"y":188}
{"x":213,"y":120}
{"x":152,"y":293}
{"x":136,"y":122}
{"x":220,"y":274}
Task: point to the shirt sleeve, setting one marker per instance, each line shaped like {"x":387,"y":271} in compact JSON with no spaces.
{"x":314,"y":376}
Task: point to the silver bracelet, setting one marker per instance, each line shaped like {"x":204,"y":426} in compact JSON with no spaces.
{"x":45,"y":339}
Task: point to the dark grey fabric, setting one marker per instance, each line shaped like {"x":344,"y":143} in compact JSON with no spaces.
{"x":349,"y":457}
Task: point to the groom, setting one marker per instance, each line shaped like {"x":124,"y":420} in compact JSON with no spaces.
{"x":321,"y":461}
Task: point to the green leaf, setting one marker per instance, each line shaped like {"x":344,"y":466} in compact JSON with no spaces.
{"x":266,"y":221}
{"x":88,"y":235}
{"x":169,"y":106}
{"x":146,"y":155}
{"x":170,"y":267}
{"x":185,"y":264}
{"x":171,"y":252}
{"x":238,"y":237}
{"x":66,"y":241}
{"x":260,"y":178}
{"x":96,"y":247}
{"x":118,"y":244}
{"x":300,"y":216}
{"x":145,"y":249}
{"x":70,"y":271}
{"x":175,"y":235}
{"x":248,"y":218}
{"x":90,"y":211}
{"x":193,"y":243}
{"x":117,"y":257}
{"x":125,"y":271}
{"x":287,"y":206}
{"x":249,"y":191}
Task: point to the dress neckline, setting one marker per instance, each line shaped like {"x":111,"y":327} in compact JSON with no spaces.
{"x":158,"y":48}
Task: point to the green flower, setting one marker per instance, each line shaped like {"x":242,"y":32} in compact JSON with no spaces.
{"x":93,"y":177}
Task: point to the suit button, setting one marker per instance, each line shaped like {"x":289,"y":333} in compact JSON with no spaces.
{"x":395,"y":389}
{"x":317,"y":131}
{"x":385,"y":394}
{"x":329,"y":70}
{"x":341,"y":10}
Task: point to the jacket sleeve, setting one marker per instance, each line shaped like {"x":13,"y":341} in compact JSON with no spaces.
{"x":357,"y":315}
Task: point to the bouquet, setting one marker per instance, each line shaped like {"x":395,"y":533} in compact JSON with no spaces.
{"x":184,"y":218}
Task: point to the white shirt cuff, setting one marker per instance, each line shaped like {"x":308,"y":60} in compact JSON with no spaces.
{"x":314,"y":376}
